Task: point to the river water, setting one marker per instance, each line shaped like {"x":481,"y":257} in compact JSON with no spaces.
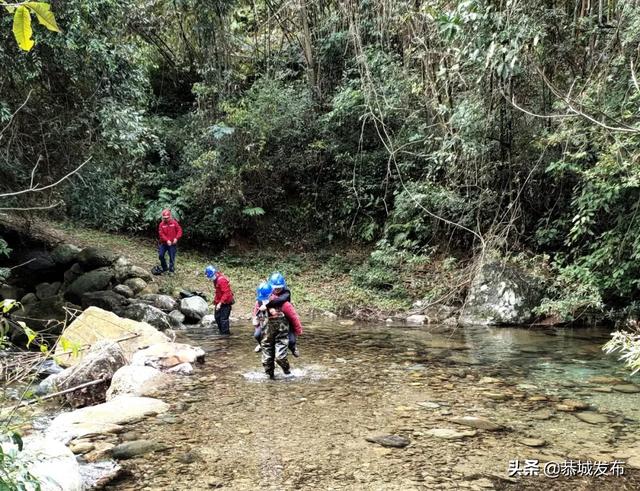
{"x":231,"y":428}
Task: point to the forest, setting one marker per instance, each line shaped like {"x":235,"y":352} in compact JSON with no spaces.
{"x":451,"y":188}
{"x":418,"y":129}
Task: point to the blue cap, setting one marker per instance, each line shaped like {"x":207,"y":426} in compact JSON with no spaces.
{"x":277,"y":280}
{"x":210,"y":271}
{"x":263,"y":291}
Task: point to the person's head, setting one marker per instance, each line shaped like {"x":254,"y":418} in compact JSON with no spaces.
{"x":210,"y":272}
{"x":276,"y":280}
{"x":166,"y":215}
{"x":263,"y":291}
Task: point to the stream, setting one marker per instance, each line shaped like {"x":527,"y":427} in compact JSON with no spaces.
{"x":231,"y":428}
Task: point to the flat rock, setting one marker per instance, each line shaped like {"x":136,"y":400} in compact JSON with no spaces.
{"x":496,"y":396}
{"x":120,"y":410}
{"x":429,"y":405}
{"x":394,"y":441}
{"x":81,"y":447}
{"x":532,"y":442}
{"x":627,"y":388}
{"x":95,"y":324}
{"x":450,"y":434}
{"x":592,"y":417}
{"x":605,"y":380}
{"x":53,"y":464}
{"x":167,"y":355}
{"x":570,"y":405}
{"x":136,"y":380}
{"x":478,"y":423}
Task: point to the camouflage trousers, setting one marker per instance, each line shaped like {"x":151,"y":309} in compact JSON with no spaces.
{"x":275,"y":342}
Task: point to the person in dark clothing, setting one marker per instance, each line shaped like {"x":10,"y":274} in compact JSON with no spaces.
{"x":223,"y":299}
{"x":169,"y":232}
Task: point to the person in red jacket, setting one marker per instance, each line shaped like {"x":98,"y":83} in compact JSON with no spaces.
{"x":169,"y":232}
{"x":223,"y":298}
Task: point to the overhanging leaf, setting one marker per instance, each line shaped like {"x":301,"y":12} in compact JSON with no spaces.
{"x":22,"y":28}
{"x":44,"y":15}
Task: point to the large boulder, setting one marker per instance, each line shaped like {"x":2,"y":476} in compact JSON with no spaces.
{"x":209,"y":321}
{"x":65,"y":254}
{"x":136,"y":284}
{"x":72,"y":274}
{"x":39,"y":266}
{"x":137,"y":380}
{"x":52,"y":464}
{"x":10,"y":292}
{"x":125,"y":270}
{"x":177,"y":316}
{"x":162,"y":302}
{"x":93,"y":281}
{"x":143,"y":312}
{"x":106,"y":300}
{"x":123,"y":290}
{"x":95,"y":324}
{"x":501,"y":294}
{"x":104,"y":418}
{"x":48,"y":314}
{"x":167,"y":355}
{"x":46,"y":290}
{"x":93,"y":257}
{"x":101,"y":362}
{"x":194,"y":308}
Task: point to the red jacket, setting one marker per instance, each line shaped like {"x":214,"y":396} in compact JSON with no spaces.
{"x":169,"y":230}
{"x":223,"y":290}
{"x":289,"y":312}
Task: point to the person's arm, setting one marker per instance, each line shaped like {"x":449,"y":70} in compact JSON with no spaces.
{"x":179,"y":234}
{"x":277,"y":301}
{"x":161,"y":233}
{"x":225,"y":291}
{"x":292,"y":316}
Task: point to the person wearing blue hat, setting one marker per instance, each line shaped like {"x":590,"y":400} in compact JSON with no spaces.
{"x":260,"y":315}
{"x":223,"y":298}
{"x":281,"y":300}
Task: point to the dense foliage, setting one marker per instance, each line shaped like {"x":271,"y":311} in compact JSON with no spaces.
{"x":422,"y":126}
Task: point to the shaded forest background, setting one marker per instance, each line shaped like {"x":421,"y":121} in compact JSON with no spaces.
{"x":419,"y":128}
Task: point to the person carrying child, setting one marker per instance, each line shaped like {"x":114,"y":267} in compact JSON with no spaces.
{"x":281,"y":299}
{"x":272,"y":330}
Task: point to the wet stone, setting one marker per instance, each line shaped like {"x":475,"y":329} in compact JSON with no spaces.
{"x":627,"y":388}
{"x":132,"y":449}
{"x":450,"y":434}
{"x":429,"y":405}
{"x":189,"y":457}
{"x":393,"y":441}
{"x":478,"y":423}
{"x":592,"y":417}
{"x":532,"y":442}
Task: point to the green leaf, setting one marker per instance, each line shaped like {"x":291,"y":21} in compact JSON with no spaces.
{"x":22,"y":28}
{"x":30,"y":333}
{"x":44,"y":15}
{"x":253,"y":212}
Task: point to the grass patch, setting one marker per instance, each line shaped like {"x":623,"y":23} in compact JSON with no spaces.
{"x":319,"y":281}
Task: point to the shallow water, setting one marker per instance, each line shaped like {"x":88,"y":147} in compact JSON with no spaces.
{"x":230,"y":427}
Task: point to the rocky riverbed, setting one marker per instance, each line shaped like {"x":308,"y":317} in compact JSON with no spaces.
{"x":373,"y":407}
